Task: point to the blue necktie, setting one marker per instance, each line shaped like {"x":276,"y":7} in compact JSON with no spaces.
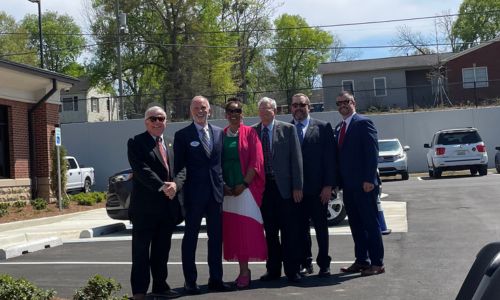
{"x":300,"y":132}
{"x":266,"y":148}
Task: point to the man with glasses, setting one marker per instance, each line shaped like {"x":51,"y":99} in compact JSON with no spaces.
{"x":357,"y":158}
{"x":154,"y":208}
{"x":317,"y":144}
{"x":282,"y":194}
{"x":198,"y":149}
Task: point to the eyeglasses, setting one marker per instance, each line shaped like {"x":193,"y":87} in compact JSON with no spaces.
{"x":343,"y":102}
{"x":236,"y":110}
{"x":155,"y":118}
{"x":295,"y":105}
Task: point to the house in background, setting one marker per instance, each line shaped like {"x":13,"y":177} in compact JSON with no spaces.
{"x":384,"y":82}
{"x":474,"y":73}
{"x":83,"y":103}
{"x":29,"y":112}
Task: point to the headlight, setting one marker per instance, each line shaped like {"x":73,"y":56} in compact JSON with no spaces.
{"x":121,"y":177}
{"x":399,"y":156}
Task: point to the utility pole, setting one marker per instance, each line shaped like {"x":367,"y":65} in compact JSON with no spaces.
{"x":40,"y":38}
{"x":121,"y":27}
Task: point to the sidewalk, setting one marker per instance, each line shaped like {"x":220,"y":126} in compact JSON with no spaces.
{"x":17,"y":238}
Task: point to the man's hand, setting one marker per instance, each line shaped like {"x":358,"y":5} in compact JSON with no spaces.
{"x":297,"y":196}
{"x":368,"y":187}
{"x":228,"y":191}
{"x":237,"y":190}
{"x":169,"y":189}
{"x":325,"y":195}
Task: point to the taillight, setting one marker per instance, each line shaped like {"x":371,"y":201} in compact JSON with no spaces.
{"x":481,"y":148}
{"x":440,"y":150}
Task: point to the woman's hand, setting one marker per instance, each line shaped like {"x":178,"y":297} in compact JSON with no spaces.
{"x":237,"y":190}
{"x":228,"y":191}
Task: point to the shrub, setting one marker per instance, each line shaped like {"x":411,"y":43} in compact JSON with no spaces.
{"x":99,"y":196}
{"x":20,"y":289}
{"x":99,"y":287}
{"x":65,"y":202}
{"x":89,"y":199}
{"x":19,"y":204}
{"x":3,"y":212}
{"x":39,"y":203}
{"x":4,"y":205}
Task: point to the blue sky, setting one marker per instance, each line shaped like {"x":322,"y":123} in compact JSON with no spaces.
{"x":316,"y":12}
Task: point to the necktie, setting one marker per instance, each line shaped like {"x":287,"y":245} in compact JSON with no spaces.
{"x":300,"y":132}
{"x":163,"y":153}
{"x":266,"y":148}
{"x":342,"y":134}
{"x":205,"y":141}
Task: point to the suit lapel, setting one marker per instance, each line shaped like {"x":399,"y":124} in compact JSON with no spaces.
{"x":276,"y":130}
{"x":310,"y":129}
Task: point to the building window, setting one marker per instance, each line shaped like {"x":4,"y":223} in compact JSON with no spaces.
{"x":70,"y":104}
{"x":4,"y":143}
{"x":94,"y":104}
{"x":379,"y":86}
{"x":475,"y":77}
{"x":348,"y":85}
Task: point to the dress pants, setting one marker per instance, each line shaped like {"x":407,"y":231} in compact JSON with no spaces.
{"x":151,"y":237}
{"x":362,"y":212}
{"x":282,"y":215}
{"x":311,"y":208}
{"x":212,"y":210}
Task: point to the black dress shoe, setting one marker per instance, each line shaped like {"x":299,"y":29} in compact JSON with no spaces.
{"x":306,"y":269}
{"x":192,"y":288}
{"x":295,"y":278}
{"x":324,"y":272}
{"x":219,"y":286}
{"x":270,"y":277}
{"x":169,"y":294}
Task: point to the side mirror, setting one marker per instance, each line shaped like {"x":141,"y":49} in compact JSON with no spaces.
{"x":427,"y":146}
{"x":497,"y":148}
{"x":406,"y":148}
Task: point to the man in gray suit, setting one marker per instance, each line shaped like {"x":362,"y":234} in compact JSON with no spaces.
{"x":283,"y":193}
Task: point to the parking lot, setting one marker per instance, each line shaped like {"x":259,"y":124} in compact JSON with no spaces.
{"x":449,"y":220}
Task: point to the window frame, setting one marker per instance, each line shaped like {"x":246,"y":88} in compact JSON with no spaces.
{"x":94,"y":104}
{"x":475,"y":83}
{"x":352,"y":85}
{"x":375,"y":87}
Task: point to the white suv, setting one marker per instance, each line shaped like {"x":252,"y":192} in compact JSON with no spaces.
{"x":457,"y":149}
{"x":392,"y":159}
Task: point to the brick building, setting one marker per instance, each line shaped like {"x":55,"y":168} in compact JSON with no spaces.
{"x":29,"y":112}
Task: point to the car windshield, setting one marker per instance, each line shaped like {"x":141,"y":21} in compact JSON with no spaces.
{"x":388,"y":146}
{"x":455,"y":138}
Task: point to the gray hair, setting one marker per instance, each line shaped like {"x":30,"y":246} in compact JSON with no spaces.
{"x":153,"y":109}
{"x":199,"y":97}
{"x":267,"y":100}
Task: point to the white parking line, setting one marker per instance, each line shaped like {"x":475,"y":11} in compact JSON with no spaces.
{"x":110,"y":263}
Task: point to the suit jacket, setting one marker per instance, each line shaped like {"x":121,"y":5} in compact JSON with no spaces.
{"x":358,"y":155}
{"x":149,"y":173}
{"x":287,"y":157}
{"x":318,"y":154}
{"x":203,"y":174}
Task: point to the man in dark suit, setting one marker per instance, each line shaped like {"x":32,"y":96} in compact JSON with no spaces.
{"x":282,"y":194}
{"x":198,"y":149}
{"x":154,"y":208}
{"x":317,"y":143}
{"x":357,"y":142}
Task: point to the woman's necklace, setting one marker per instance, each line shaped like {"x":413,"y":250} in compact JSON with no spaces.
{"x":231,"y":133}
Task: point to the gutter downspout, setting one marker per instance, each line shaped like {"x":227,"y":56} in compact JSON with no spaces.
{"x":31,"y":134}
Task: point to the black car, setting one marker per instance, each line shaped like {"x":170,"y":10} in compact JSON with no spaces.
{"x":118,"y":196}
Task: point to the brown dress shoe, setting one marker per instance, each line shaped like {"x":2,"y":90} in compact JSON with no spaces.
{"x":354,"y":268}
{"x":373,"y":270}
{"x":139,"y":297}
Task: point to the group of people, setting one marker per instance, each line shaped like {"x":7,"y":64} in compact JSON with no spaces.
{"x":258,"y":187}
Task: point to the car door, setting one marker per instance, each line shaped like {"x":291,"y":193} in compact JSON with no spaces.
{"x":73,"y":174}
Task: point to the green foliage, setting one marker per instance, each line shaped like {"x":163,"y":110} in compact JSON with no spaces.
{"x":4,"y":205}
{"x":39,"y":203}
{"x":19,"y":204}
{"x":298,"y":53}
{"x":53,"y":169}
{"x":21,"y":289}
{"x":12,"y":45}
{"x":479,"y":21}
{"x":99,"y":288}
{"x":62,"y":39}
{"x":65,"y":202}
{"x":3,"y":212}
{"x":88,"y":199}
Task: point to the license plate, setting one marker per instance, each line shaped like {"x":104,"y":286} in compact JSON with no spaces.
{"x":461,"y":152}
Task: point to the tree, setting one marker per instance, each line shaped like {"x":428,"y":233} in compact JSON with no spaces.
{"x":298,"y":53}
{"x":13,"y":43}
{"x":339,"y":53}
{"x":479,"y":21}
{"x":62,"y":39}
{"x":410,"y":42}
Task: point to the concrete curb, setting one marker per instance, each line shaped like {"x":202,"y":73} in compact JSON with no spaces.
{"x":18,"y":250}
{"x":102,"y":230}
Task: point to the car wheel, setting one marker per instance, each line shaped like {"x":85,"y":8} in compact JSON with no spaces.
{"x":473,"y":171}
{"x":335,"y":209}
{"x":437,"y":173}
{"x":431,"y":173}
{"x":498,"y":168}
{"x":483,"y":170}
{"x":405,"y":175}
{"x":86,"y":185}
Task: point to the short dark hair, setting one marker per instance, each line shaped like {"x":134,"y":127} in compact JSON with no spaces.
{"x":234,"y":100}
{"x":347,"y":94}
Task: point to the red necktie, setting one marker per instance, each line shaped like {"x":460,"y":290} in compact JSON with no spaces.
{"x":162,"y":151}
{"x":342,"y":134}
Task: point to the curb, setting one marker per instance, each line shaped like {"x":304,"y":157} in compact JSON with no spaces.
{"x":18,"y":250}
{"x":102,"y":230}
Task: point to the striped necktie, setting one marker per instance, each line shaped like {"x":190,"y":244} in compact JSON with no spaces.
{"x":205,"y":141}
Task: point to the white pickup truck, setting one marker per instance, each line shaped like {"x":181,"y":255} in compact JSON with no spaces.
{"x":79,"y":177}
